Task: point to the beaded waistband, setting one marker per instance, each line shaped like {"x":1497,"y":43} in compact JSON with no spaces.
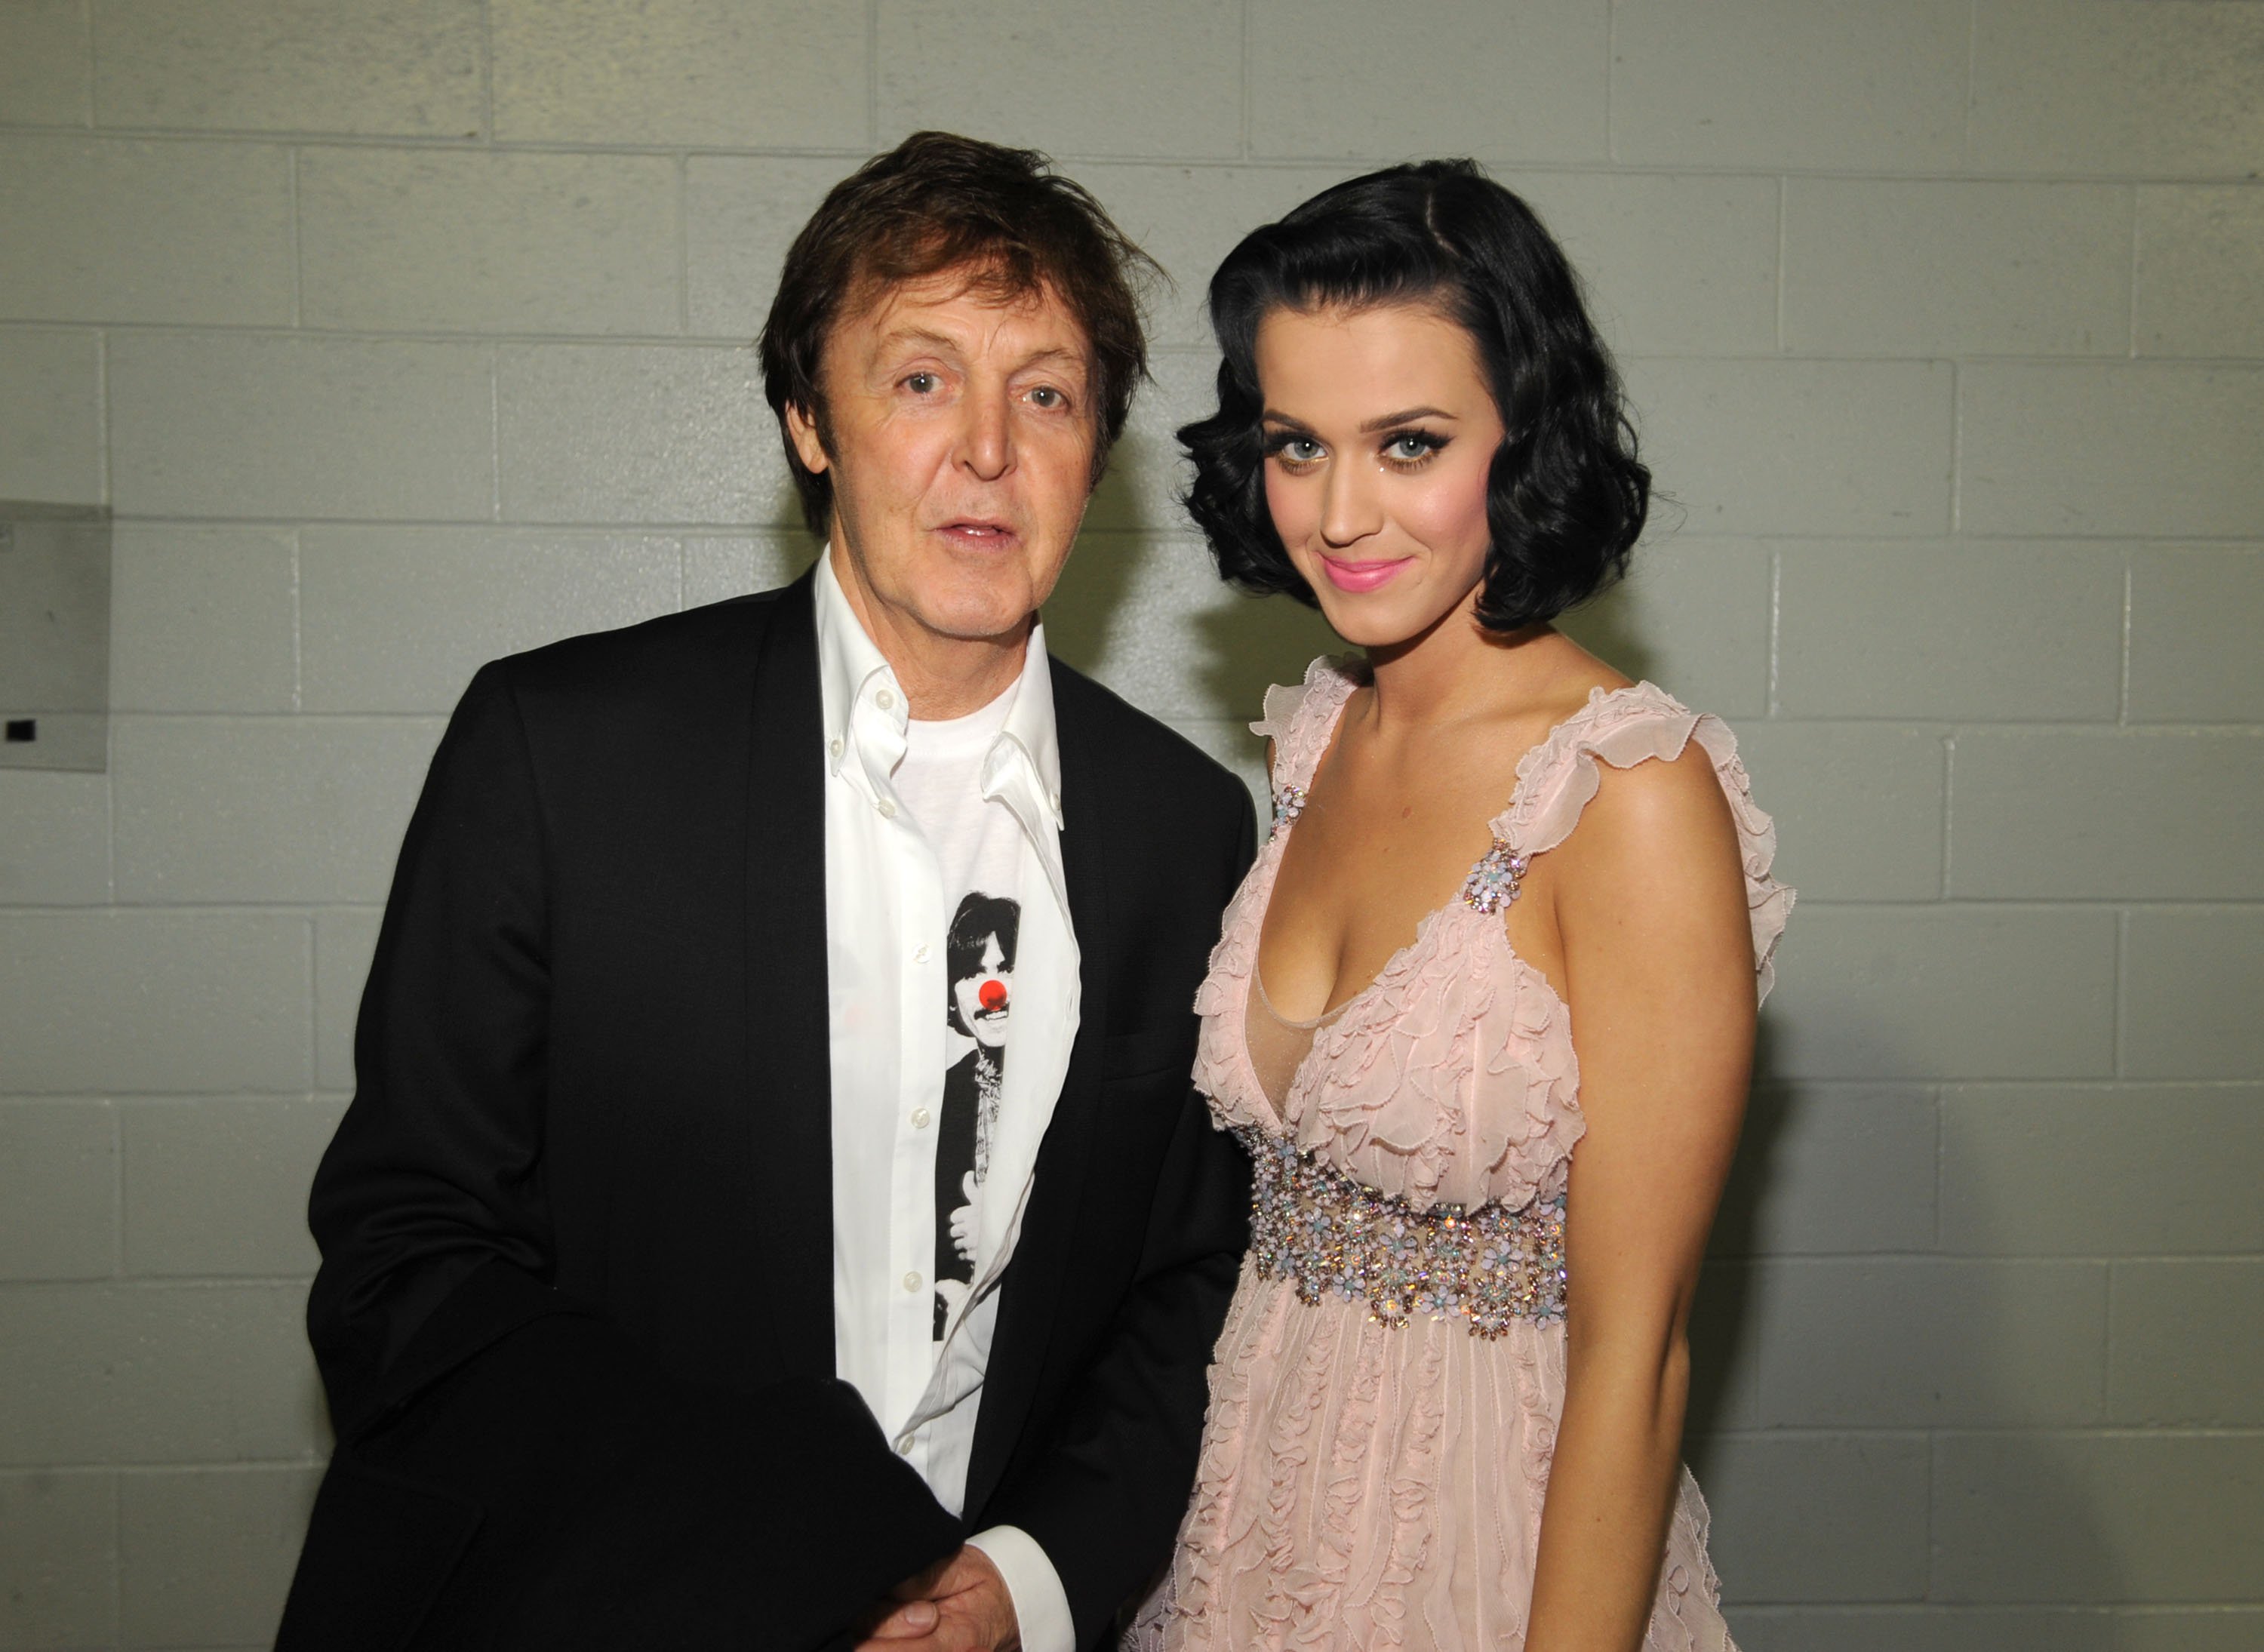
{"x":1335,"y":1235}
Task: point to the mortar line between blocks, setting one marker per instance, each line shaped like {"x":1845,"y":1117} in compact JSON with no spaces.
{"x":487,"y":73}
{"x":1611,"y":54}
{"x":1244,"y":133}
{"x":2122,"y":701}
{"x":495,"y":433}
{"x":1972,"y":59}
{"x":1948,"y":784}
{"x":2116,"y":1044}
{"x":298,"y":627}
{"x":86,"y":18}
{"x":1776,"y":624}
{"x":313,"y":1051}
{"x":871,"y":74}
{"x":1783,"y":193}
{"x":298,"y":257}
{"x":684,"y":244}
{"x":2131,"y":320}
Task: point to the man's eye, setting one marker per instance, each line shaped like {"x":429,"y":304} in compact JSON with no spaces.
{"x":1046,"y":396}
{"x":920,"y":383}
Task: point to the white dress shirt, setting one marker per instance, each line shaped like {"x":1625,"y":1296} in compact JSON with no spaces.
{"x":885,"y":923}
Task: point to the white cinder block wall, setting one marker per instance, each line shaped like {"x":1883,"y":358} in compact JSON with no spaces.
{"x":400,"y":335}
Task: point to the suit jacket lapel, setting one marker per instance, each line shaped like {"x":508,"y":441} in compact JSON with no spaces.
{"x":1035,"y":1280}
{"x":789,"y":1065}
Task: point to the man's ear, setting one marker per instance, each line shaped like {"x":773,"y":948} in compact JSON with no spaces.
{"x":802,"y":430}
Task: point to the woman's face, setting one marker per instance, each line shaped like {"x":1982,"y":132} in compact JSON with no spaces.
{"x":1379,"y":430}
{"x":985,"y":997}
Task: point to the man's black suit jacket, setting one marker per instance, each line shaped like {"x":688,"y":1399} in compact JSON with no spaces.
{"x":574,"y":1313}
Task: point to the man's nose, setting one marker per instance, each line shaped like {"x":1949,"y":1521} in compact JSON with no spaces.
{"x":986,"y":438}
{"x":1350,"y":509}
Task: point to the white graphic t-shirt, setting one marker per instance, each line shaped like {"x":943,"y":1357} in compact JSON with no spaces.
{"x":978,"y":846}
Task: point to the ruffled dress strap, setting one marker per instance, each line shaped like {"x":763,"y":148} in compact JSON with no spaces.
{"x":1623,"y":726}
{"x":1299,"y":720}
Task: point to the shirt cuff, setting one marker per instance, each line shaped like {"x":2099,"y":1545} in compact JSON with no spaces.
{"x":1041,"y":1604}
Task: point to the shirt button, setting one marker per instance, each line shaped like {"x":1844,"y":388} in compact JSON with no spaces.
{"x":903,"y":1445}
{"x":885,"y":700}
{"x":919,"y":953}
{"x":912,"y":1280}
{"x":834,"y":746}
{"x":887,"y":809}
{"x":922,"y":1118}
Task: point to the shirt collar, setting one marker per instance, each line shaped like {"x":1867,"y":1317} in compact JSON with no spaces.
{"x":851,"y":669}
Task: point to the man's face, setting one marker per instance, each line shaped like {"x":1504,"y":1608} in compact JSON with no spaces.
{"x":962,"y":433}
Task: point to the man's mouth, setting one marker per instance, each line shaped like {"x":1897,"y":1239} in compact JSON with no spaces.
{"x":977,"y":530}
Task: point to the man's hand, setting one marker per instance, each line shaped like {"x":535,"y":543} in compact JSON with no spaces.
{"x":958,"y":1604}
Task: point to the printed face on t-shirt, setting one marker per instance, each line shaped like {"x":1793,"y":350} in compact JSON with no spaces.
{"x":984,"y":997}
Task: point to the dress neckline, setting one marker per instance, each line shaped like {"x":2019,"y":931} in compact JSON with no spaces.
{"x":1527,"y":771}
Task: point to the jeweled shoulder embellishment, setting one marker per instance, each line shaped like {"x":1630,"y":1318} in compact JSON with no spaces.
{"x":1289,"y":803}
{"x":1495,"y":880}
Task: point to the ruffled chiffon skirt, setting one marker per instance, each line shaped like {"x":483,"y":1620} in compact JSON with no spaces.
{"x":1363,"y":1485}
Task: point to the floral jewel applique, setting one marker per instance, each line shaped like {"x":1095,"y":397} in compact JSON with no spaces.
{"x":1495,"y":881}
{"x":1289,"y":803}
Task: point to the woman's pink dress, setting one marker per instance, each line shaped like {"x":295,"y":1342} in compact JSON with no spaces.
{"x":1385,"y":1396}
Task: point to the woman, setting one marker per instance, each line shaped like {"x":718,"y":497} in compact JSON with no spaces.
{"x":1513,"y":904}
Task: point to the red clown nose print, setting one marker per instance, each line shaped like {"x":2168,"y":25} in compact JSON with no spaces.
{"x":993,"y":995}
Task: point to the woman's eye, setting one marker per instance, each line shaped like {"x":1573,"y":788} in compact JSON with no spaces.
{"x":1409,"y":448}
{"x":1300,"y":449}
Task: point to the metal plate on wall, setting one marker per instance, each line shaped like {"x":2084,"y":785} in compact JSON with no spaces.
{"x":54,"y":636}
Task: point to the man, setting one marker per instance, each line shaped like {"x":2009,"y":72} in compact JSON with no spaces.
{"x":672,"y":1296}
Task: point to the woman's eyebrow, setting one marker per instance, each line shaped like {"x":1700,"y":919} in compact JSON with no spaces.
{"x":1406,"y":415}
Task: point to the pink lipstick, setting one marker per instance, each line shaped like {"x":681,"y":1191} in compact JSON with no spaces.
{"x":1359,"y":577}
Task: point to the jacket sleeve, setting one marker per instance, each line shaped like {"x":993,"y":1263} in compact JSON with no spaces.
{"x":1113,"y":1480}
{"x":511,"y":1467}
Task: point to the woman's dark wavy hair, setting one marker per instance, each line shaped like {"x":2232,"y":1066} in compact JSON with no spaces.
{"x":1566,"y":496}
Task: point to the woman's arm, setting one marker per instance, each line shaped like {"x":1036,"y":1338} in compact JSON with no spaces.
{"x":1649,"y":903}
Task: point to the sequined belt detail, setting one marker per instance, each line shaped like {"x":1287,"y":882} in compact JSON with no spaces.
{"x":1337,"y":1236}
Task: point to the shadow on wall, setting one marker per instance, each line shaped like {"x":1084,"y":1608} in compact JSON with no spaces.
{"x":1862,"y":1405}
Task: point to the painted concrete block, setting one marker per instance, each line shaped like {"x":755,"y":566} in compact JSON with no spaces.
{"x":1970,"y":1628}
{"x":2139,"y":448}
{"x":2200,"y":263}
{"x":202,"y":619}
{"x":1693,"y":616}
{"x":219,"y":999}
{"x":1818,"y":1517}
{"x":59,"y":1186}
{"x":605,"y":433}
{"x":123,"y":1374}
{"x":1971,"y":992}
{"x":1146,"y":473}
{"x":2038,"y":1516}
{"x":1858,"y":807}
{"x":1784,"y":83}
{"x":1922,"y":1343}
{"x":741,"y":212}
{"x":51,"y":418}
{"x":265,"y":809}
{"x":2196,"y":612}
{"x":54,"y":838}
{"x":2160,"y":815}
{"x":1998,"y":631}
{"x":290,"y":66}
{"x":430,"y":240}
{"x":1834,"y":447}
{"x":1188,"y":218}
{"x":2129,"y":88}
{"x":716,"y":568}
{"x":217,"y":1184}
{"x":2188,"y":993}
{"x":344,"y":937}
{"x":1831,"y":1169}
{"x":2087,"y":1170}
{"x":1172,"y":84}
{"x":1893,"y":267}
{"x":1151,"y":618}
{"x":1675,"y":264}
{"x":1512,"y":85}
{"x":102,"y":230}
{"x":46,"y":76}
{"x":2188,"y":1344}
{"x":59,"y":1559}
{"x":208,"y":1552}
{"x":397,"y":619}
{"x":237,"y":427}
{"x":721,"y":74}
